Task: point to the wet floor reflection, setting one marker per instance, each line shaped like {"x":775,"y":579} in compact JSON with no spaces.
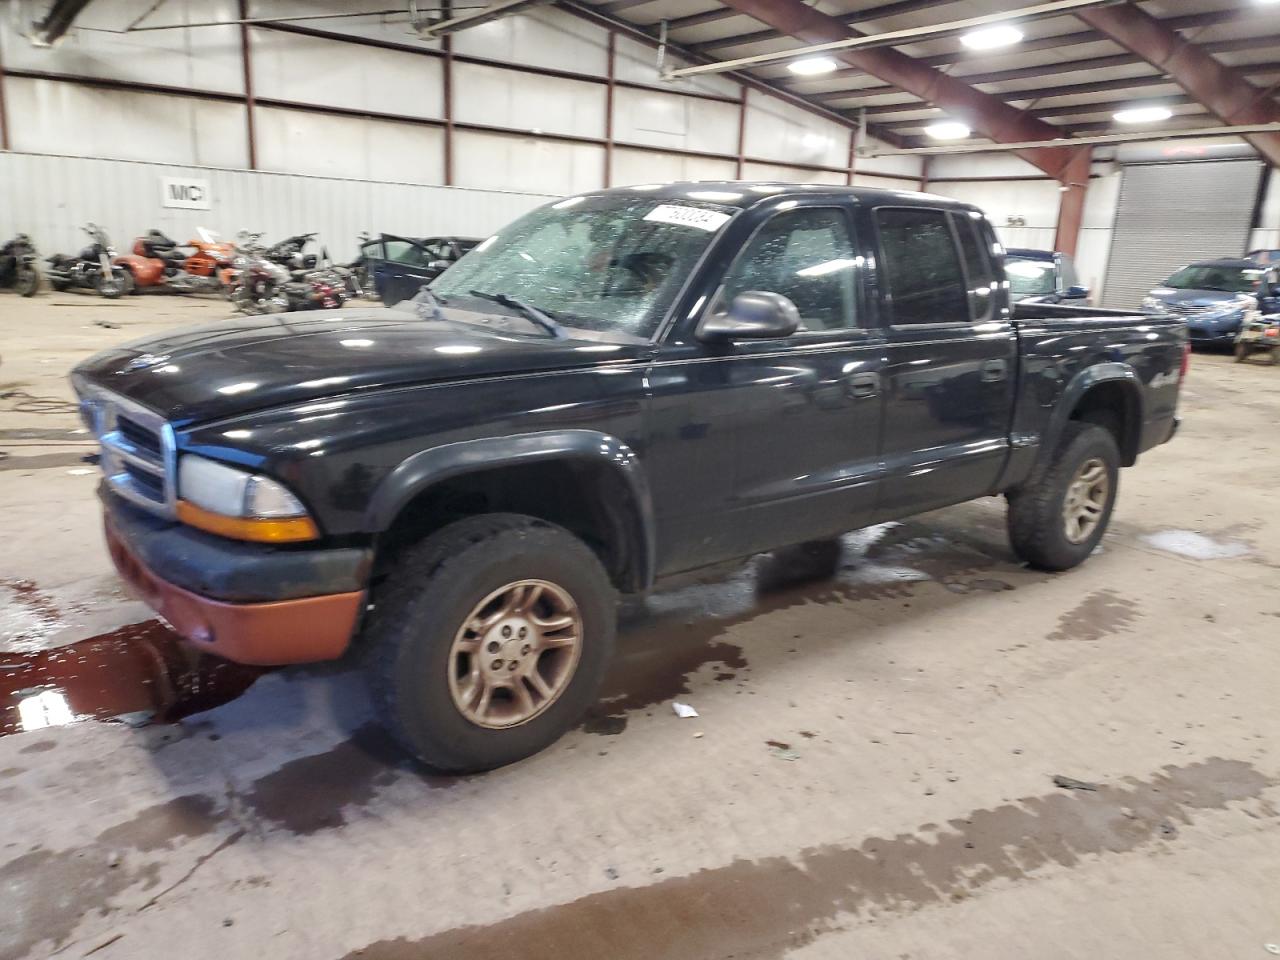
{"x":137,"y":674}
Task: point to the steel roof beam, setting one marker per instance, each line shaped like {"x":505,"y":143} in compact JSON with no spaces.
{"x":1223,"y":91}
{"x":987,"y":114}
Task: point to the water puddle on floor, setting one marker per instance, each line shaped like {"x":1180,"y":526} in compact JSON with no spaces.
{"x":138,"y":674}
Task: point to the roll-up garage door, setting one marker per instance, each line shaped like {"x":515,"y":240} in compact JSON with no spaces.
{"x":1173,"y":213}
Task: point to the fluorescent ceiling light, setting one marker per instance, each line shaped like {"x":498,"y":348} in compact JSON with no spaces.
{"x":812,"y":66}
{"x":992,"y":38}
{"x":947,"y":130}
{"x":1143,"y":115}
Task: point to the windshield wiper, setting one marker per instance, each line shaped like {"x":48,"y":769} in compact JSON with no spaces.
{"x":527,"y":310}
{"x":426,"y":297}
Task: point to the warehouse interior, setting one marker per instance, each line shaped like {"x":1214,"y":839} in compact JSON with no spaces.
{"x":915,"y":744}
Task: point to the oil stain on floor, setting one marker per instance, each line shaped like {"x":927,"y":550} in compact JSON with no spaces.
{"x":765,"y":908}
{"x":1099,"y":615}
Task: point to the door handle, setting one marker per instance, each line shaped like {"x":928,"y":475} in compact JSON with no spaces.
{"x":993,"y":371}
{"x":863,"y":385}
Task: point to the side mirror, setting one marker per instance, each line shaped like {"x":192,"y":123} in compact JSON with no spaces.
{"x":1078,"y":292}
{"x":753,"y":315}
{"x":439,"y":265}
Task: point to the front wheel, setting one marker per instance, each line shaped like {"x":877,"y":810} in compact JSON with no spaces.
{"x":1242,"y":352}
{"x":1058,"y":518}
{"x":120,"y":283}
{"x":489,"y":640}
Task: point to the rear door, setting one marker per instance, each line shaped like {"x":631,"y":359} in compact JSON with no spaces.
{"x":403,"y":269}
{"x":951,"y":359}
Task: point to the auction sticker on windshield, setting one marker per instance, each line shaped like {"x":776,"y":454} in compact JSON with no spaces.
{"x":697,"y":217}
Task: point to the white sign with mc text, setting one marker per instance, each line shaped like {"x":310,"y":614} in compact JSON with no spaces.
{"x":185,"y":194}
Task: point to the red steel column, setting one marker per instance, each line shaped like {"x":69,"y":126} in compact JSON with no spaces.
{"x":611,"y":76}
{"x":742,"y":133}
{"x":248,"y":84}
{"x":1075,"y":188}
{"x":447,"y":90}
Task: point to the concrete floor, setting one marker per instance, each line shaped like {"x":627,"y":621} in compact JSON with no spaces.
{"x":871,"y":774}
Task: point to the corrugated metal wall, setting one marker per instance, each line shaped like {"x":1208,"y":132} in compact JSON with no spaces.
{"x":52,"y":197}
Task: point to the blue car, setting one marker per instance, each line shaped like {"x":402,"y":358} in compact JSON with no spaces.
{"x":1213,"y":295}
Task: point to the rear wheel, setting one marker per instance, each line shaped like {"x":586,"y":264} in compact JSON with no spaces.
{"x":1242,"y":352}
{"x":489,"y":640}
{"x":1058,"y":518}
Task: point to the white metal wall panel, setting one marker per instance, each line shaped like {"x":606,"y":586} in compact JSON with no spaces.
{"x":1170,"y":214}
{"x":637,"y":62}
{"x":527,"y":101}
{"x":376,"y":24}
{"x":1094,"y":247}
{"x":774,"y":171}
{"x":539,"y":38}
{"x":885,"y":183}
{"x":207,"y":59}
{"x":907,"y":166}
{"x":1033,"y":201}
{"x":670,"y":120}
{"x":51,"y":197}
{"x":526,"y":164}
{"x":359,"y":148}
{"x":776,"y":130}
{"x":644,"y":166}
{"x":1267,"y":234}
{"x":50,"y":116}
{"x":289,"y":66}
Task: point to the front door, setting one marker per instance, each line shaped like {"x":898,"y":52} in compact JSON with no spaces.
{"x":952,"y":360}
{"x":403,"y":269}
{"x":760,"y":443}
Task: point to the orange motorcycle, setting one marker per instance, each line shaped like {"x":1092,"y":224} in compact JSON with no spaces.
{"x":158,"y":263}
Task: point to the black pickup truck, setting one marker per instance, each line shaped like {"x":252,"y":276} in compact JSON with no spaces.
{"x":615,"y":388}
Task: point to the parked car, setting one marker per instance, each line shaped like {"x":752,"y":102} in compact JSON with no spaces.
{"x":401,"y":265}
{"x":614,"y":389}
{"x":1043,"y":276}
{"x":1213,"y":296}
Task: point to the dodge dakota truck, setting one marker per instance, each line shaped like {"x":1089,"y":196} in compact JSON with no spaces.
{"x":615,"y":388}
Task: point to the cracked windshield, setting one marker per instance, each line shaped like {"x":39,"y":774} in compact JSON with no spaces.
{"x":603,"y":266}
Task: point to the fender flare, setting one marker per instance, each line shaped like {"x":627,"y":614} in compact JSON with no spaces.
{"x":1112,"y":371}
{"x":424,"y":470}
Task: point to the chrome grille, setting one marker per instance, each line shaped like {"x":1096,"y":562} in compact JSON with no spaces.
{"x":1189,"y":310}
{"x":137,"y":449}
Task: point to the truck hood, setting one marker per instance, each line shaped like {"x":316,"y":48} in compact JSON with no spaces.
{"x":220,"y":370}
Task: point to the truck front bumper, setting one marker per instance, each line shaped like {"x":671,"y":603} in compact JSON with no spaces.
{"x":250,"y":603}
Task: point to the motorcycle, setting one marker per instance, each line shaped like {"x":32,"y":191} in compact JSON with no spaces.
{"x":20,"y":266}
{"x":94,"y":267}
{"x":288,"y":253}
{"x":361,"y":282}
{"x":263,"y":283}
{"x":257,"y":284}
{"x":159,"y":263}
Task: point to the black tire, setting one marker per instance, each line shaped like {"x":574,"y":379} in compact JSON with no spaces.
{"x":435,"y":586}
{"x":27,"y":281}
{"x":121,"y":283}
{"x":1036,"y":524}
{"x":1241,"y":352}
{"x":59,"y":286}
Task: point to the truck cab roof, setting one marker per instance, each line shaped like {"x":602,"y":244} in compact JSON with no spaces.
{"x":747,"y":193}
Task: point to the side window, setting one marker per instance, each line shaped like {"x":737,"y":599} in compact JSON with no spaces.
{"x":922,"y":279}
{"x":977,"y":265}
{"x":807,"y":256}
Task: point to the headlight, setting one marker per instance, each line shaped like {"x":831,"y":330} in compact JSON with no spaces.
{"x":235,"y":503}
{"x":1151,"y":303}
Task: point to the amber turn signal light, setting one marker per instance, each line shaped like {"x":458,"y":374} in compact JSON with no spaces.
{"x":257,"y":529}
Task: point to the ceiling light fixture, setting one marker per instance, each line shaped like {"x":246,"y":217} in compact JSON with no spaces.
{"x":812,"y":66}
{"x":948,"y":130}
{"x":1143,"y":115}
{"x":992,"y":38}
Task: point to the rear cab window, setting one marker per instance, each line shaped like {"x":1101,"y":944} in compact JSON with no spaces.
{"x":922,"y":277}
